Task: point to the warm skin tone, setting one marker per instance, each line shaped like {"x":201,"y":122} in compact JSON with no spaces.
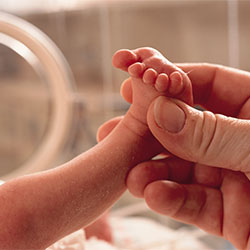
{"x":37,"y":210}
{"x":101,"y":229}
{"x":216,"y":199}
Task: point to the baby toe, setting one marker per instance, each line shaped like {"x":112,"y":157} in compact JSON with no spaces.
{"x":122,"y":59}
{"x":176,"y":85}
{"x":136,"y":69}
{"x":149,"y":76}
{"x":162,"y":82}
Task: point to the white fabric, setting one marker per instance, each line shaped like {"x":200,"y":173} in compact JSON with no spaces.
{"x":135,"y":233}
{"x":74,"y":241}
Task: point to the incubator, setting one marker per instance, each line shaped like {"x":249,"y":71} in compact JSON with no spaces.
{"x":55,"y":94}
{"x":52,"y":69}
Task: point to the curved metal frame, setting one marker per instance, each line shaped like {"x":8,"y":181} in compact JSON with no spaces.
{"x":60,"y":79}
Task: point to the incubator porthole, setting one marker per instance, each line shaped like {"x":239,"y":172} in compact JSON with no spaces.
{"x":25,"y":110}
{"x":36,"y":93}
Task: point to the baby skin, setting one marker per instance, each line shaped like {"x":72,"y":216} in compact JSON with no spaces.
{"x":38,"y":209}
{"x":152,"y":75}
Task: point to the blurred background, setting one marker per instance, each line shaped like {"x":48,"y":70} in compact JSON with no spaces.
{"x":88,"y":32}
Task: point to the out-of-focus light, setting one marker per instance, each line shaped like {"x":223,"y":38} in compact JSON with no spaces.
{"x":27,"y":6}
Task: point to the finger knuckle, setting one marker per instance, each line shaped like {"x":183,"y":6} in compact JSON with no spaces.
{"x":204,"y":138}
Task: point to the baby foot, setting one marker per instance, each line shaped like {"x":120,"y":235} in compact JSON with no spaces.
{"x":152,"y":75}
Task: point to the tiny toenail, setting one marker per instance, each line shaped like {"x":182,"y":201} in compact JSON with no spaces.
{"x":168,"y":115}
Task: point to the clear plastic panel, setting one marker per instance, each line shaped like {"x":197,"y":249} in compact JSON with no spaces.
{"x":49,"y":79}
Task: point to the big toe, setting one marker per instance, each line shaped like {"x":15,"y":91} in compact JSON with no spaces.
{"x":122,"y":59}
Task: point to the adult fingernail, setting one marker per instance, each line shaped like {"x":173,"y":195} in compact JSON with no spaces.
{"x":168,"y":115}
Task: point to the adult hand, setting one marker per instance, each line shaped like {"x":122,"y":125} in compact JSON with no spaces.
{"x":208,"y":184}
{"x":214,"y":191}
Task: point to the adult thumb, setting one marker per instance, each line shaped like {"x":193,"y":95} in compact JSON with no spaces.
{"x":200,"y":136}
